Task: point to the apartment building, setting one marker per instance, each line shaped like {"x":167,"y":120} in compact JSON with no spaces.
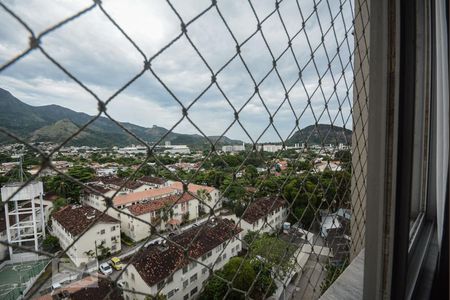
{"x":72,"y":220}
{"x":210,"y":196}
{"x":168,"y":212}
{"x":163,"y":267}
{"x":264,"y":215}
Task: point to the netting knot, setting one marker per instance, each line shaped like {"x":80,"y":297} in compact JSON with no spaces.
{"x":101,"y":106}
{"x":34,"y":42}
{"x":183,"y":28}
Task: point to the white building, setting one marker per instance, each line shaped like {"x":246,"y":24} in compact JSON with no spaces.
{"x":132,"y":150}
{"x":233,"y":148}
{"x":165,"y":213}
{"x":149,"y":205}
{"x":264,"y":215}
{"x":156,"y":269}
{"x":270,"y":147}
{"x":71,"y":221}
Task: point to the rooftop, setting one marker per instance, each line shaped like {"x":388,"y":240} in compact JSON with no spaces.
{"x":153,"y":180}
{"x":143,"y":208}
{"x":154,"y":264}
{"x":144,"y":195}
{"x":261,"y":207}
{"x":193,"y":188}
{"x":75,"y":219}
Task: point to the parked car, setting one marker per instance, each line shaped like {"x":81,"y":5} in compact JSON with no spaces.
{"x":105,"y":268}
{"x":116,"y":263}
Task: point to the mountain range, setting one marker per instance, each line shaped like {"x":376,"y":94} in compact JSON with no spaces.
{"x":54,"y":123}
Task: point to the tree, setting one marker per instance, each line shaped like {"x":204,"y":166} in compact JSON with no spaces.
{"x":276,"y":252}
{"x":246,"y":275}
{"x":58,"y":203}
{"x":82,"y":173}
{"x":50,"y":244}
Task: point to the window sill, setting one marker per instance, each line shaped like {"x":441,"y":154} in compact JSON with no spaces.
{"x":350,"y":284}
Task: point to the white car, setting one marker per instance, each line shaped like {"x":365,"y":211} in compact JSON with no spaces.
{"x":105,"y":268}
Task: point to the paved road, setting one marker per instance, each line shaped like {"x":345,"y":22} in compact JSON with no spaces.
{"x":308,"y":284}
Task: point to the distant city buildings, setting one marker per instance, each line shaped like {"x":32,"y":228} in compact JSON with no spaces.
{"x":233,"y":148}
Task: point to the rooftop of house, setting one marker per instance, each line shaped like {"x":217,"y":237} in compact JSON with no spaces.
{"x":117,"y":181}
{"x":153,"y":180}
{"x":99,"y":188}
{"x":193,"y":188}
{"x":156,"y":262}
{"x":76,"y":218}
{"x":143,"y":208}
{"x":261,"y":207}
{"x":144,"y":195}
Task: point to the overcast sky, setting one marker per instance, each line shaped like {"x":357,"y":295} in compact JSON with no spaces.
{"x":98,"y":54}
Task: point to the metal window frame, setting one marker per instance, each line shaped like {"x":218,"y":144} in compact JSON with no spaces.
{"x":395,"y":260}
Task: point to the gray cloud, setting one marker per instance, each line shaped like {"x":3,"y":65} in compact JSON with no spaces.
{"x":94,"y":51}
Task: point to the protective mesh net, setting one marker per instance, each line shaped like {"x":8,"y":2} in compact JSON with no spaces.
{"x":314,"y":179}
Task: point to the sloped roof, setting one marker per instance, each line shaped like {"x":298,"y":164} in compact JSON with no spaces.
{"x":143,"y":208}
{"x":144,"y":195}
{"x":75,"y":219}
{"x":154,"y":263}
{"x":261,"y":207}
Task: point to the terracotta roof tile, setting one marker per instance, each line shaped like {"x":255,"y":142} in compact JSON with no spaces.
{"x":261,"y":207}
{"x":75,"y":219}
{"x":155,"y":263}
{"x":144,"y":195}
{"x":193,"y":188}
{"x":143,"y":208}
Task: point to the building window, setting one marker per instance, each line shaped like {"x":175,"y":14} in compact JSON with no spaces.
{"x":224,"y":256}
{"x":113,"y":228}
{"x":193,"y":265}
{"x":113,"y":248}
{"x":169,"y":279}
{"x":209,"y":253}
{"x":185,"y":284}
{"x":132,"y":277}
{"x":160,"y":285}
{"x":193,"y":278}
{"x":204,"y":270}
{"x":186,"y":297}
{"x":102,"y":231}
{"x":171,"y":293}
{"x":194,"y":291}
{"x":185,"y":269}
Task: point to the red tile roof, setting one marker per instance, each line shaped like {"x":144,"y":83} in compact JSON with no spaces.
{"x":144,"y":195}
{"x":193,"y":188}
{"x":261,"y":207}
{"x":143,"y":208}
{"x":154,"y":180}
{"x":75,"y":219}
{"x":154,"y":263}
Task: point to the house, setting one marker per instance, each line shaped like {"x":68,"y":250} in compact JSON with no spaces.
{"x":165,"y":269}
{"x":164,"y":213}
{"x":264,"y":215}
{"x":210,"y":196}
{"x":102,"y":232}
{"x":154,"y":182}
